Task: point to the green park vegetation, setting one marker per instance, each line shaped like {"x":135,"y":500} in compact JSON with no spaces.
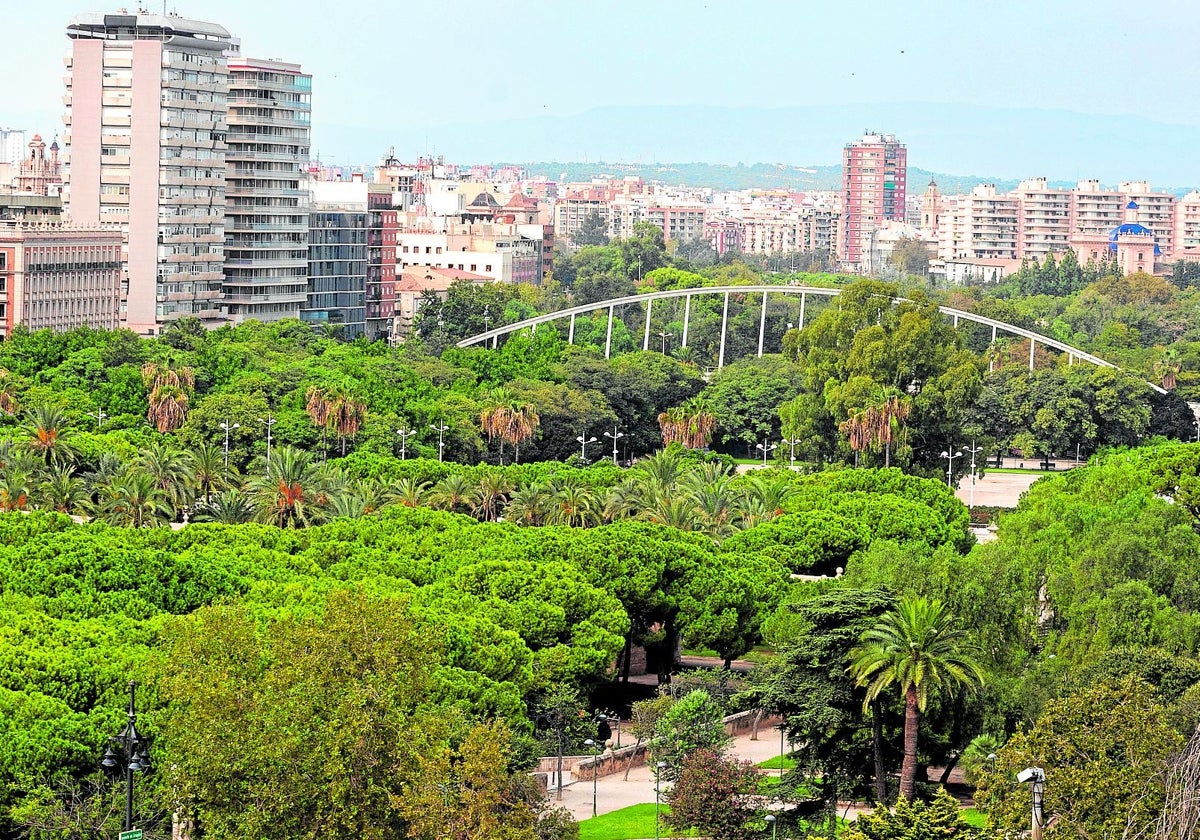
{"x":354,"y":636}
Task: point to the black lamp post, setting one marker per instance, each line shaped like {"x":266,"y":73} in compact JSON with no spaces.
{"x":128,"y":753}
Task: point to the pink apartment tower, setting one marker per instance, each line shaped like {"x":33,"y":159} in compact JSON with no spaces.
{"x":873,"y":191}
{"x":145,"y":148}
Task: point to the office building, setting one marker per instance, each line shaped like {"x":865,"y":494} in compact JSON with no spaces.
{"x":145,"y":149}
{"x":873,"y":191}
{"x":266,"y":214}
{"x":337,"y":258}
{"x":59,"y":277}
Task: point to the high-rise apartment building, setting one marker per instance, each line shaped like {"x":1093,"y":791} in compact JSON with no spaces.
{"x":145,"y":148}
{"x":337,"y":258}
{"x":873,"y":191}
{"x":12,"y":145}
{"x":266,"y":215}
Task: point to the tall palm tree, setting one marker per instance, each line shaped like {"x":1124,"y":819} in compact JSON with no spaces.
{"x":169,"y":389}
{"x":317,"y":407}
{"x":47,"y":435}
{"x":917,"y":647}
{"x":344,"y":415}
{"x":509,"y":419}
{"x":134,"y":500}
{"x":1167,"y":367}
{"x":290,"y":494}
{"x":691,"y":424}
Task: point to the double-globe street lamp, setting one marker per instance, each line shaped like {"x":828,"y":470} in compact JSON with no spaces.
{"x":766,"y":449}
{"x":950,"y":456}
{"x":615,"y":435}
{"x":595,"y":748}
{"x":269,"y":422}
{"x":405,"y":434}
{"x":441,"y":429}
{"x":658,"y":771}
{"x":128,"y":752}
{"x":583,"y":443}
{"x":228,"y":427}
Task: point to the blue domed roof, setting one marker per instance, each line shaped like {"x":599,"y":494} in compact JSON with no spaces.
{"x":1131,"y":229}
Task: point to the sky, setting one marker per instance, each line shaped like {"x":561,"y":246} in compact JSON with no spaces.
{"x":427,"y":73}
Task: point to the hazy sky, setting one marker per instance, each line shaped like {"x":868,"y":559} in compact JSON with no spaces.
{"x":416,"y":67}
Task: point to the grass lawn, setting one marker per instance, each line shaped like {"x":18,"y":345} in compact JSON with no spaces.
{"x":974,"y":817}
{"x":773,"y":763}
{"x":633,"y":823}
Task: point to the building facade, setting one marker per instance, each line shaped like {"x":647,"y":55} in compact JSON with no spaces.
{"x":337,"y":268}
{"x":40,"y":173}
{"x":266,"y":213}
{"x":145,"y":149}
{"x":874,"y":170}
{"x":59,"y":277}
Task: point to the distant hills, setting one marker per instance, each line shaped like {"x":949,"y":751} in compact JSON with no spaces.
{"x":758,"y":176}
{"x":1008,"y":143}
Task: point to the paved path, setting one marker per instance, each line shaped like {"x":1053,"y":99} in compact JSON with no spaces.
{"x":614,"y":793}
{"x":997,"y":489}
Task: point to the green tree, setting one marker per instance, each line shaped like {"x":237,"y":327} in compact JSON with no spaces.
{"x":693,"y":723}
{"x":916,"y":647}
{"x":593,"y":230}
{"x":938,"y":819}
{"x":716,"y":796}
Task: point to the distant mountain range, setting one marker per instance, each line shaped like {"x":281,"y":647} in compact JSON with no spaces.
{"x":1009,"y":143}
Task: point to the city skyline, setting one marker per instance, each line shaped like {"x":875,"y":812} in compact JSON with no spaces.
{"x":959,"y":69}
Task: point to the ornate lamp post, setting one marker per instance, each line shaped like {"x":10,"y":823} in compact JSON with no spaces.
{"x":128,"y":753}
{"x":766,"y":449}
{"x":99,"y":415}
{"x":950,"y":456}
{"x":664,"y":335}
{"x":791,"y":445}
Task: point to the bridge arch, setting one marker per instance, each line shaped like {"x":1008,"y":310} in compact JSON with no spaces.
{"x":648,"y":298}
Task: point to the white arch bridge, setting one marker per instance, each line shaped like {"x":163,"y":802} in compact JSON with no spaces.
{"x":493,"y":335}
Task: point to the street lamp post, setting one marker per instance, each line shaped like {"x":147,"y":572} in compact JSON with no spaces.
{"x":99,"y":415}
{"x":269,"y":421}
{"x":441,"y":429}
{"x":486,"y":318}
{"x":950,"y":456}
{"x":770,"y":818}
{"x":131,"y":755}
{"x":227,"y":427}
{"x":595,"y":769}
{"x":664,"y":335}
{"x":1036,"y":777}
{"x":974,"y":450}
{"x":615,"y":435}
{"x":405,"y":434}
{"x":766,"y":449}
{"x":583,"y":442}
{"x":791,"y":443}
{"x":658,"y":771}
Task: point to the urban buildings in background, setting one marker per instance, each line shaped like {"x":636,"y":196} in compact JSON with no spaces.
{"x":196,"y":161}
{"x":874,"y":170}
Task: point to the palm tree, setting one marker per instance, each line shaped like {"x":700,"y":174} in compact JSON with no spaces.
{"x":8,"y":393}
{"x":171,"y":471}
{"x":14,"y":489}
{"x":691,"y":424}
{"x":710,"y":490}
{"x":528,"y":505}
{"x":916,"y":646}
{"x":230,"y":507}
{"x":134,"y":500}
{"x":452,"y":493}
{"x":47,"y":435}
{"x":317,"y":407}
{"x":573,"y":504}
{"x":169,"y":388}
{"x":62,"y":490}
{"x":344,"y":414}
{"x":672,"y":511}
{"x":207,"y":468}
{"x":1168,"y":367}
{"x":490,"y":496}
{"x":408,"y":492}
{"x":769,"y":494}
{"x":510,"y":420}
{"x":291,"y":492}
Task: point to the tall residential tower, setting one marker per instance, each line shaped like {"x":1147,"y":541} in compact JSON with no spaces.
{"x":266,"y":224}
{"x":145,"y":148}
{"x":873,"y":191}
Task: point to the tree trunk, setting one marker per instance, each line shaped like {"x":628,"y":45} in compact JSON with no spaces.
{"x":950,"y":765}
{"x":626,"y":657}
{"x":881,"y":787}
{"x":912,"y":726}
{"x":887,"y":455}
